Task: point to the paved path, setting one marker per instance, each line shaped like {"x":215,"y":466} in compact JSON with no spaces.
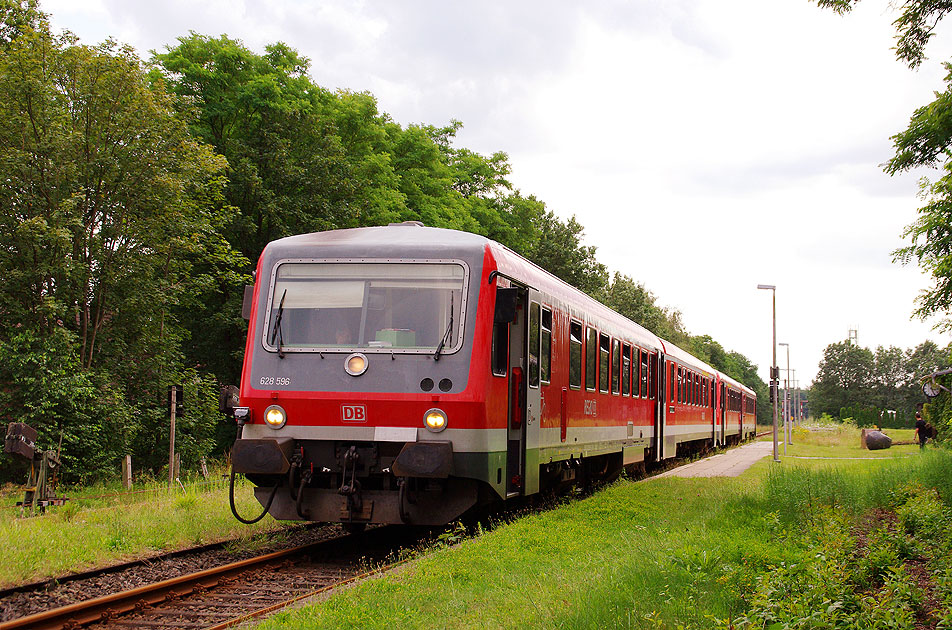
{"x":727,"y":464}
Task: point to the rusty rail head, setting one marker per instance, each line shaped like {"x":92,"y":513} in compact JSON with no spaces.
{"x":84,"y":613}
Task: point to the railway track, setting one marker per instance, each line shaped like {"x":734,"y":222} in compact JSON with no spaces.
{"x":227,"y":595}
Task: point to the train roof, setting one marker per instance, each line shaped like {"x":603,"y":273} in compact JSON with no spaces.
{"x":737,"y":384}
{"x":687,"y":358}
{"x":397,"y":238}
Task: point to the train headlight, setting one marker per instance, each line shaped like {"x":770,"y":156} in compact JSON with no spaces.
{"x":355,"y":364}
{"x":435,"y":420}
{"x":275,"y":417}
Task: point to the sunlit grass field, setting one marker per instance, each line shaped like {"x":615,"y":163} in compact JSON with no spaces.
{"x":659,"y":553}
{"x":662,"y":553}
{"x":100,"y":526}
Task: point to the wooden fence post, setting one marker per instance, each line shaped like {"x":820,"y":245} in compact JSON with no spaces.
{"x":127,"y":472}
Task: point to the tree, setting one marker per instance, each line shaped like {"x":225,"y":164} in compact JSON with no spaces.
{"x":844,"y":379}
{"x":889,"y":378}
{"x":558,"y":249}
{"x":637,"y":303}
{"x":107,"y":206}
{"x":925,"y":142}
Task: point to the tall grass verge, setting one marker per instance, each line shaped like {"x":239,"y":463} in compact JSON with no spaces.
{"x":82,"y":535}
{"x":797,"y":491}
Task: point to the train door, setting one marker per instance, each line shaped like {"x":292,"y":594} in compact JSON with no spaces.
{"x":534,"y":400}
{"x":661,"y":407}
{"x":713,"y":412}
{"x":518,"y":390}
{"x":740,"y":416}
{"x":522,"y":476}
{"x":722,"y":411}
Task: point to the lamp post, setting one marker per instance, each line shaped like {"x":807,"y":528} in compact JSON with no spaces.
{"x":774,"y":371}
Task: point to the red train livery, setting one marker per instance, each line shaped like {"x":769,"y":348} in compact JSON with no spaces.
{"x":406,"y":374}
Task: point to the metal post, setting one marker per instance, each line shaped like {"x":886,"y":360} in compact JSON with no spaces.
{"x":793,"y":402}
{"x":799,"y":406}
{"x":789,"y":416}
{"x":773,"y":367}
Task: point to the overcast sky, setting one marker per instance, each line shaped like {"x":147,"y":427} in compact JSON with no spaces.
{"x":706,"y":146}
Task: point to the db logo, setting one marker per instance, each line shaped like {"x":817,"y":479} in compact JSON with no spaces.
{"x":353,"y":413}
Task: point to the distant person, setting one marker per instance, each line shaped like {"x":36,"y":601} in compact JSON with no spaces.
{"x":922,"y":430}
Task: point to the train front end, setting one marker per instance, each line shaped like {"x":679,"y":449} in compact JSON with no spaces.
{"x":357,"y":403}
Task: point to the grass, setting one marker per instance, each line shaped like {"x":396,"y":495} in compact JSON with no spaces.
{"x":95,"y":529}
{"x":663,"y":553}
{"x":671,"y":553}
{"x":615,"y":557}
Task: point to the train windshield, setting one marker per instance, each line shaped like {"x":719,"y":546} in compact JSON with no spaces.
{"x":410,"y":307}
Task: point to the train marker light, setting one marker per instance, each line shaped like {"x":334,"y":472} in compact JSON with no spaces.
{"x":275,"y":417}
{"x":356,"y":364}
{"x":435,"y":420}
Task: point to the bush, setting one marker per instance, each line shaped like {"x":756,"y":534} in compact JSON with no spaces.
{"x":46,"y":387}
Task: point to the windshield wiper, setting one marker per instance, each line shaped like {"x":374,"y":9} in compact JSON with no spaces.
{"x":277,"y":331}
{"x":449,"y":329}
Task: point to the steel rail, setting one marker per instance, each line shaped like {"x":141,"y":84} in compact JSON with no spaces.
{"x":274,"y":607}
{"x":131,"y":564}
{"x":109,"y":606}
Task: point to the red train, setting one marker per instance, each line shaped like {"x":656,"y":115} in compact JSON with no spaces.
{"x":406,"y":374}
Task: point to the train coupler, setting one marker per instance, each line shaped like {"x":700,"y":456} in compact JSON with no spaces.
{"x":353,"y":506}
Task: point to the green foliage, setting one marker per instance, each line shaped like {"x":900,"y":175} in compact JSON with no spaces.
{"x":836,"y":582}
{"x":915,"y":25}
{"x":110,"y":222}
{"x":855,"y":382}
{"x":638,"y":304}
{"x":45,"y":387}
{"x":925,"y":142}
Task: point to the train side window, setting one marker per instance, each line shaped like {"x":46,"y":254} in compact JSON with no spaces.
{"x":680,"y":386}
{"x":626,"y":370}
{"x":644,"y":374}
{"x":575,"y":355}
{"x":546,"y":358}
{"x":616,"y":366}
{"x":635,"y":372}
{"x":604,"y":350}
{"x":671,"y":382}
{"x":591,"y":359}
{"x":697,"y":390}
{"x":652,"y":376}
{"x":500,"y":358}
{"x":534,"y":344}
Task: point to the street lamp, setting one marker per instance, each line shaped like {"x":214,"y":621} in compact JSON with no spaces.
{"x":774,"y":371}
